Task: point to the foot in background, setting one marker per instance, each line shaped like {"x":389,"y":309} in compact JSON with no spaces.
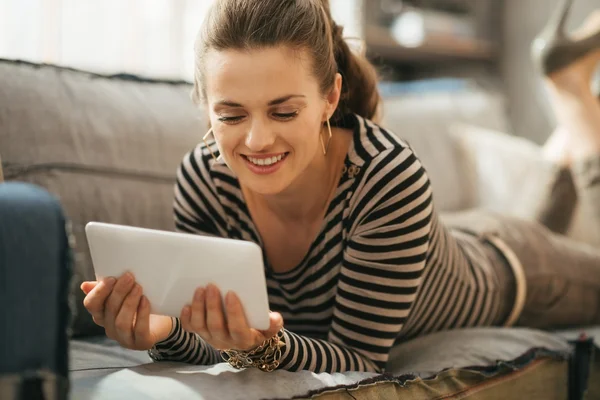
{"x":554,"y":49}
{"x":568,"y":63}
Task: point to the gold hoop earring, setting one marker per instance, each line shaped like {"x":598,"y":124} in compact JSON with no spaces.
{"x":324,"y":146}
{"x":208,"y":147}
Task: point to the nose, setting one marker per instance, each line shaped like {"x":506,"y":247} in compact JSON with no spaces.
{"x":260,"y":137}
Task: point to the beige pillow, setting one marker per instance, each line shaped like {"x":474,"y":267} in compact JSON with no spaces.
{"x":506,"y":171}
{"x":510,"y":174}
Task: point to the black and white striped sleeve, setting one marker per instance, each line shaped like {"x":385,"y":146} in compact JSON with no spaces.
{"x":382,"y":269}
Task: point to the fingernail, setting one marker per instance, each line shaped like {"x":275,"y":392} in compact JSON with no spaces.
{"x":186,"y":310}
{"x":199,"y":294}
{"x":211,"y":290}
{"x":128,"y":278}
{"x":137,"y":289}
{"x":110,"y":281}
{"x":229,"y":299}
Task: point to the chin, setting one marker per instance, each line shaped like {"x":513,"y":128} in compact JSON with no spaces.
{"x":266,"y":186}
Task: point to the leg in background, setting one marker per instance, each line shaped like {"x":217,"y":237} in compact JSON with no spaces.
{"x":35,"y":272}
{"x":576,"y":142}
{"x":562,"y":276}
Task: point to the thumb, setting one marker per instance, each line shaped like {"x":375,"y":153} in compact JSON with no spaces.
{"x":276,"y":323}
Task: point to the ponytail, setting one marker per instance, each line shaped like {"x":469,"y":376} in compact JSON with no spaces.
{"x":360,"y":94}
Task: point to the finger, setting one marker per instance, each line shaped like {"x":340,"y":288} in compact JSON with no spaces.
{"x":87,"y":286}
{"x":215,"y":320}
{"x":237,"y":324}
{"x":125,"y":318}
{"x":141,"y":331}
{"x":198,"y":314}
{"x":185,"y":319}
{"x":114,"y":302}
{"x":95,"y":300}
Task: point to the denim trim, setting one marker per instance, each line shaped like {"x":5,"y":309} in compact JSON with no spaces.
{"x":499,"y":369}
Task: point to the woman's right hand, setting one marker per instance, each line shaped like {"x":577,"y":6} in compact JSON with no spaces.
{"x":120,"y":307}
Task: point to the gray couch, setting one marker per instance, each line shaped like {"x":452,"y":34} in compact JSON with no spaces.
{"x":108,"y":148}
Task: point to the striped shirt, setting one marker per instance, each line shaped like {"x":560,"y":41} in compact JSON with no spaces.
{"x":382,"y":269}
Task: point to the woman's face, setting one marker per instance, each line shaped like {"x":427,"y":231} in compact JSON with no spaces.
{"x":267,"y":114}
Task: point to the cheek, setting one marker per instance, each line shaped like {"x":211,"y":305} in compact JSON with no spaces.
{"x":305,"y":134}
{"x":228,"y":139}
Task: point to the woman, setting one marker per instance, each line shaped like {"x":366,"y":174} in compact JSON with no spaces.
{"x":356,"y":258}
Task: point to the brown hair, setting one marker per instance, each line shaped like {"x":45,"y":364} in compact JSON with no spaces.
{"x":300,"y":24}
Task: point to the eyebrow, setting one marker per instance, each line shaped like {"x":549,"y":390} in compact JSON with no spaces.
{"x":275,"y":102}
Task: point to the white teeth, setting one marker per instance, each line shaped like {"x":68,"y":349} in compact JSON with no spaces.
{"x":265,"y":161}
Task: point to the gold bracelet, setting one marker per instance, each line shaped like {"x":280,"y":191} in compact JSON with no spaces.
{"x":265,"y":357}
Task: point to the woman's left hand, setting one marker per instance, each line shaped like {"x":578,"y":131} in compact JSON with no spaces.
{"x":205,"y":317}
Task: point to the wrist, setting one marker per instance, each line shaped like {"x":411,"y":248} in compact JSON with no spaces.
{"x":167,"y":332}
{"x":266,"y":356}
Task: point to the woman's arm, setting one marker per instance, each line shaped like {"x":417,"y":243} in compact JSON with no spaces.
{"x":185,"y":347}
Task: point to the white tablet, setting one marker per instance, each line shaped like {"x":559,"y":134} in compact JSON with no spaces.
{"x":170,"y":266}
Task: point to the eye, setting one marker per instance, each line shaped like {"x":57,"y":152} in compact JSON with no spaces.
{"x":285,"y":116}
{"x":231,"y":120}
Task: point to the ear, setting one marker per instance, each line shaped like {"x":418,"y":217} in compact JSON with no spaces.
{"x":333,"y":98}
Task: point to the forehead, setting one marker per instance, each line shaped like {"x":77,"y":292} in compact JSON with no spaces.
{"x":257,"y":75}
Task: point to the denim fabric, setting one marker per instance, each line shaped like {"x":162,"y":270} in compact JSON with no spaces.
{"x":537,"y":374}
{"x":35,"y":271}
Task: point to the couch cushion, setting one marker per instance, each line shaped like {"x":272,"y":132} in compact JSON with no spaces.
{"x":424,"y":119}
{"x":470,"y":358}
{"x":107,"y":147}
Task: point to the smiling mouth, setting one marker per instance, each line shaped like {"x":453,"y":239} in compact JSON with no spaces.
{"x":265,"y":162}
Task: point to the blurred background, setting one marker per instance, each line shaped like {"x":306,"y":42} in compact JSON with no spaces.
{"x":418,"y":45}
{"x":454,"y":74}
